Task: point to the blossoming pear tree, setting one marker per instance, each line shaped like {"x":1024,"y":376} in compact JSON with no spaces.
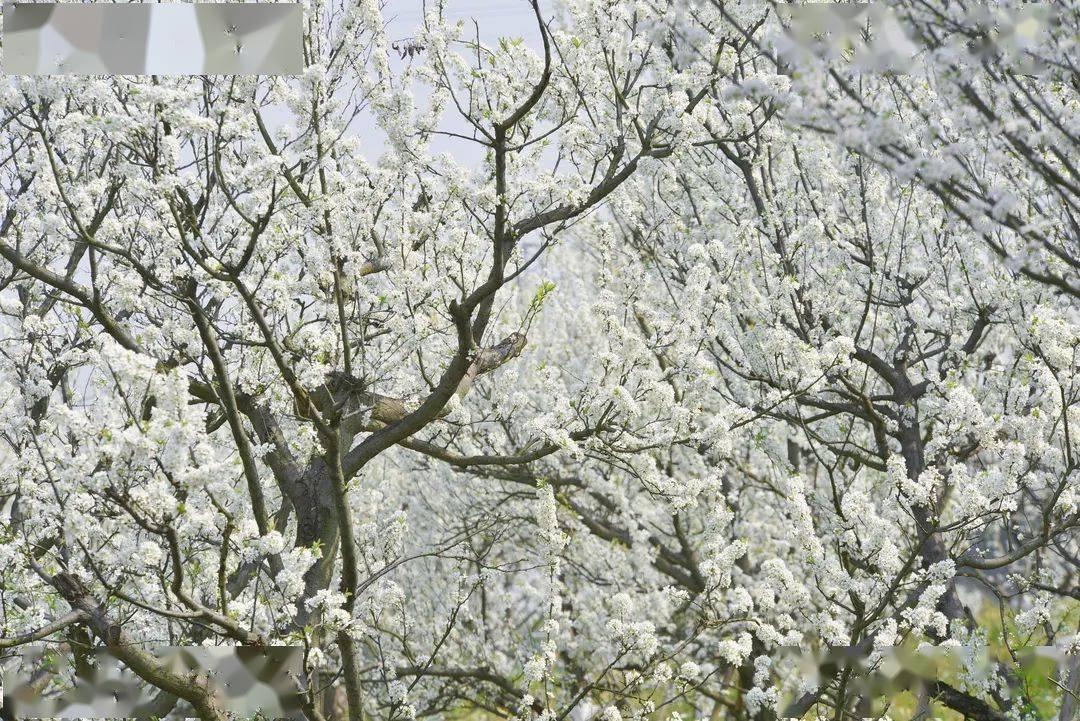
{"x":689,"y":363}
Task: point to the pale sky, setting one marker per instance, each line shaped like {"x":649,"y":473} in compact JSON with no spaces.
{"x":494,"y":18}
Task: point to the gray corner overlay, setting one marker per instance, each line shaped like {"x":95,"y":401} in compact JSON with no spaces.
{"x":246,"y":681}
{"x":226,"y":38}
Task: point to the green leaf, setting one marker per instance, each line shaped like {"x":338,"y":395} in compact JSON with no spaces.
{"x":542,"y":292}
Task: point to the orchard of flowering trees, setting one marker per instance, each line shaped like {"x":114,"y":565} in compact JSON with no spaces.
{"x":700,"y":359}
